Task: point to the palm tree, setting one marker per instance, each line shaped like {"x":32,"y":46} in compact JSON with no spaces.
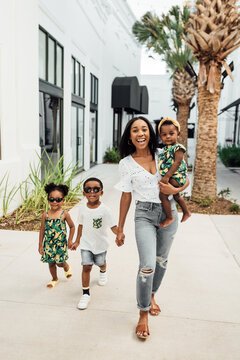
{"x":164,"y":37}
{"x":214,"y":32}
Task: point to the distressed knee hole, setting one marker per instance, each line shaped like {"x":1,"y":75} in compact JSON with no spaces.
{"x":162,"y":262}
{"x":146,"y":271}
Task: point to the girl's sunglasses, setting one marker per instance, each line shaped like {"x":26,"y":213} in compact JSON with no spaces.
{"x":58,"y":200}
{"x":89,"y":189}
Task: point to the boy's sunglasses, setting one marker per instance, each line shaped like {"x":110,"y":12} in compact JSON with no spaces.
{"x":89,"y":189}
{"x":58,"y":200}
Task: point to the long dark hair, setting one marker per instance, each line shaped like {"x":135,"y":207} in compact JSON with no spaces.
{"x":126,"y":147}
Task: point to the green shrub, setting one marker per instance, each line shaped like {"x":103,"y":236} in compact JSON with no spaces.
{"x":230,"y":155}
{"x":205,"y":202}
{"x":224,"y":193}
{"x":235,"y":208}
{"x":112,"y":155}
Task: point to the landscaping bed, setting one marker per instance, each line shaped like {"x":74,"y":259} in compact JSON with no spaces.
{"x":219,"y":206}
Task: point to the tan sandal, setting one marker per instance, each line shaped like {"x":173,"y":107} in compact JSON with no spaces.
{"x":154,"y":310}
{"x":68,"y":273}
{"x":51,"y":284}
{"x":141,"y":329}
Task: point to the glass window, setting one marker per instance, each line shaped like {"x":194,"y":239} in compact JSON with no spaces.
{"x":42,"y":55}
{"x":59,"y":66}
{"x":51,"y":61}
{"x":82,"y":79}
{"x":73,"y":76}
{"x":73,"y":134}
{"x":77,"y":78}
{"x":80,"y":137}
{"x":77,"y":135}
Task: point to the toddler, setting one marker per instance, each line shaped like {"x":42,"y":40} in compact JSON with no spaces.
{"x":94,"y":219}
{"x":53,"y":233}
{"x":172,"y":167}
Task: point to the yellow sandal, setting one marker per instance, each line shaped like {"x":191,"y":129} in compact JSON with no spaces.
{"x":51,"y":284}
{"x":68,"y":273}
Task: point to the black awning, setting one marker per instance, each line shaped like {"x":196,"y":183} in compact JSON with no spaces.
{"x":126,"y":93}
{"x":234,"y":103}
{"x":143,"y":100}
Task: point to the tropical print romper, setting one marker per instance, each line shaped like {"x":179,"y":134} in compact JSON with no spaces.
{"x":55,"y":241}
{"x":166,"y":159}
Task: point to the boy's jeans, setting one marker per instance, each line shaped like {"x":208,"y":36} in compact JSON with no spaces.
{"x":153,"y":245}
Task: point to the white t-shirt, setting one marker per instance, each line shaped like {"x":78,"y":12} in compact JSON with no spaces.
{"x":141,"y":183}
{"x":95,"y":223}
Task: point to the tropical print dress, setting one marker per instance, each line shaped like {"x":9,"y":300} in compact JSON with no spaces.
{"x":166,"y":159}
{"x":55,"y":241}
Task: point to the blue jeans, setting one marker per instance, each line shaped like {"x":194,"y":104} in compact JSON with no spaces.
{"x":153,"y":245}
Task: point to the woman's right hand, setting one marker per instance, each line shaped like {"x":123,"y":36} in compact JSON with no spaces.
{"x":120,"y":239}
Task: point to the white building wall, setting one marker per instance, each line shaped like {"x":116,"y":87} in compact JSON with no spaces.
{"x":97,"y":33}
{"x":18,"y":89}
{"x":229,"y":94}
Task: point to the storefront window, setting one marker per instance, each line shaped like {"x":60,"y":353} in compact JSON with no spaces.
{"x":51,"y":61}
{"x":42,"y":55}
{"x":59,"y":66}
{"x":78,"y":78}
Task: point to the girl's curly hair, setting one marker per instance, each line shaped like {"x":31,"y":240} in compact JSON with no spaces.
{"x":51,"y":187}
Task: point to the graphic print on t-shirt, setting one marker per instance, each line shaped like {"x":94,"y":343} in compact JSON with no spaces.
{"x":97,"y":223}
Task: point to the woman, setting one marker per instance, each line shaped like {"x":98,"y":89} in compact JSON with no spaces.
{"x":140,"y":180}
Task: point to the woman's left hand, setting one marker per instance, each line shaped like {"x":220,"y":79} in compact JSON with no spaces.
{"x":168,"y":189}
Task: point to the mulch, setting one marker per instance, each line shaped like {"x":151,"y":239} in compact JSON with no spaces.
{"x":9,"y":222}
{"x":220,"y":206}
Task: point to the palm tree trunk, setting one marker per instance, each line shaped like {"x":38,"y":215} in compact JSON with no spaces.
{"x":205,"y":179}
{"x":182,"y":117}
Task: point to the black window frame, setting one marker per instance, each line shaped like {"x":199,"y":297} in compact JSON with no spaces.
{"x":81,"y":80}
{"x":94,"y":90}
{"x":56,"y":43}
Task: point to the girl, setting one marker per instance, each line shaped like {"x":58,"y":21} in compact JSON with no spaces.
{"x":139,"y":179}
{"x":54,"y":233}
{"x":172,"y":167}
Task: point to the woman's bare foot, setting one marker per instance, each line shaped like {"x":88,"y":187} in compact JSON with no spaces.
{"x":185,"y":216}
{"x":142,"y":330}
{"x":166,"y":222}
{"x":155,"y":309}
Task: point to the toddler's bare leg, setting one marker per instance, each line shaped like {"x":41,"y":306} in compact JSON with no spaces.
{"x":167,"y":209}
{"x":53,"y":271}
{"x":86,"y":275}
{"x":180,"y":200}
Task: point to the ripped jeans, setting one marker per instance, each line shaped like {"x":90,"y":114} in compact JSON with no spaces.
{"x":153,"y":245}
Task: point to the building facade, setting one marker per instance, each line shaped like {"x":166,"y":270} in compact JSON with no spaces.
{"x":58,"y":62}
{"x":229,"y":105}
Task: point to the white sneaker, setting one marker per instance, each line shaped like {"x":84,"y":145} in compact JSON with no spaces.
{"x":102,"y":278}
{"x":83,"y":303}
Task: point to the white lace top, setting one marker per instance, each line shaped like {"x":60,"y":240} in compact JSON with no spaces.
{"x":135,"y":179}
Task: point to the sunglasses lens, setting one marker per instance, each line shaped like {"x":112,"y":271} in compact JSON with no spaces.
{"x":89,"y":189}
{"x":96,"y":189}
{"x":58,"y":200}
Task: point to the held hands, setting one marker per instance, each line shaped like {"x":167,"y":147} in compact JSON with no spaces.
{"x":73,"y":246}
{"x":120,"y":239}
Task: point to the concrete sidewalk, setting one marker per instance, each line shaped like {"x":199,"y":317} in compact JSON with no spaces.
{"x":199,"y":297}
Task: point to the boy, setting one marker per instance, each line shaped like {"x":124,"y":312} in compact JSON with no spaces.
{"x":94,"y":219}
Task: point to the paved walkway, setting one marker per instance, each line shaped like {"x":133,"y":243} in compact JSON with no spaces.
{"x":199,"y":297}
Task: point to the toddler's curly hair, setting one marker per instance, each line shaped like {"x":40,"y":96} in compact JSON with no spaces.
{"x":51,"y":187}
